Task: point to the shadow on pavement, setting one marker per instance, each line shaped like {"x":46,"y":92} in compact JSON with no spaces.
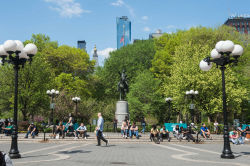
{"x":33,"y":156}
{"x":73,"y":152}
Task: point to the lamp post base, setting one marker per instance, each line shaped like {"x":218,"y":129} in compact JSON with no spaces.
{"x":227,"y":156}
{"x":14,"y":155}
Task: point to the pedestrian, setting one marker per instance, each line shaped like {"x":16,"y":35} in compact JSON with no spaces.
{"x":5,"y":159}
{"x":115,"y":125}
{"x":143,"y":124}
{"x":99,"y":130}
{"x":216,"y":127}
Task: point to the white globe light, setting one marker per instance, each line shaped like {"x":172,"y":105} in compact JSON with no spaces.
{"x":2,"y":51}
{"x":187,"y":92}
{"x":191,"y":91}
{"x":48,"y":92}
{"x":79,"y":98}
{"x":53,"y":91}
{"x":10,"y":45}
{"x":219,"y":46}
{"x":214,"y":54}
{"x":19,"y":45}
{"x":23,"y":55}
{"x":238,"y":50}
{"x":57,"y":92}
{"x":30,"y":49}
{"x":73,"y":99}
{"x":196,"y":92}
{"x":204,"y":66}
{"x":228,"y":46}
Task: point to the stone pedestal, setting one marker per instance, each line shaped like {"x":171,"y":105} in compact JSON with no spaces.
{"x":121,"y":112}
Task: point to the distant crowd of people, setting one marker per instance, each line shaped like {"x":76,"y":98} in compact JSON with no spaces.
{"x":237,"y":135}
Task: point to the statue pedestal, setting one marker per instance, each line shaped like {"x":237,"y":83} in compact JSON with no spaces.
{"x":121,"y":112}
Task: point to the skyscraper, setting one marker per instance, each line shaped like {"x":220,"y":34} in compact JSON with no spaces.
{"x":95,"y":57}
{"x":123,"y":26}
{"x":81,"y":44}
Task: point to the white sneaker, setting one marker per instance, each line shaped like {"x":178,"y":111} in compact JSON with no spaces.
{"x":85,"y":138}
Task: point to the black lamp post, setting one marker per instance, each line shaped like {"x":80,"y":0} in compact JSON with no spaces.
{"x":169,"y":101}
{"x":192,"y":95}
{"x":76,"y":100}
{"x":225,"y":52}
{"x":14,"y":52}
{"x":53,"y":94}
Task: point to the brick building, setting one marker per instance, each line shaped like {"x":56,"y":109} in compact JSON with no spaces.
{"x":241,"y":24}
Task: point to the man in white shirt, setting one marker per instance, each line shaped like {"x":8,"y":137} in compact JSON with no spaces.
{"x":82,"y":130}
{"x":99,"y":129}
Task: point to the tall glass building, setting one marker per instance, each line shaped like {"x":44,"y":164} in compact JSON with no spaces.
{"x":81,"y":44}
{"x":123,"y":25}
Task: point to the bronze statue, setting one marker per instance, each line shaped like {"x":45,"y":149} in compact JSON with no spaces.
{"x":123,"y":85}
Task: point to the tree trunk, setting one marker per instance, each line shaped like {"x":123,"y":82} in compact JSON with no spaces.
{"x":208,"y":119}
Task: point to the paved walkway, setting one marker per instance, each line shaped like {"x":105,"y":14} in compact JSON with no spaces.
{"x":146,"y":154}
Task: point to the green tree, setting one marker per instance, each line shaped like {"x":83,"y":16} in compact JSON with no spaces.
{"x":144,"y":97}
{"x":135,"y":58}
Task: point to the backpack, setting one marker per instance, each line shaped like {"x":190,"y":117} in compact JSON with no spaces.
{"x":2,"y":159}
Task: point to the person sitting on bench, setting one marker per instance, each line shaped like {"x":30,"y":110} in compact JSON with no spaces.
{"x":124,"y":129}
{"x":82,"y":130}
{"x":32,"y":130}
{"x":133,"y":131}
{"x":8,"y":129}
{"x":205,"y":131}
{"x":154,"y":134}
{"x":70,"y":132}
{"x":164,"y":134}
{"x":60,"y":129}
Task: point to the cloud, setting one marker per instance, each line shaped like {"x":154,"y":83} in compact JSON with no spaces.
{"x":67,"y":8}
{"x":118,"y":3}
{"x":121,"y":3}
{"x":170,"y":26}
{"x":145,"y":18}
{"x":103,"y":54}
{"x":146,"y":29}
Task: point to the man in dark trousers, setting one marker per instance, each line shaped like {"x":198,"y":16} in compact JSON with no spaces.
{"x":99,"y":129}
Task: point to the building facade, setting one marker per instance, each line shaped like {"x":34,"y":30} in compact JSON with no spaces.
{"x":241,"y":24}
{"x":157,"y":34}
{"x":123,"y":27}
{"x":81,"y":44}
{"x":95,"y":57}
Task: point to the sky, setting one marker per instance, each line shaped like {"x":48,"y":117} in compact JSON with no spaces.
{"x":94,"y":21}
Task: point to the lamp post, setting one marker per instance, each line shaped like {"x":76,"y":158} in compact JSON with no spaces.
{"x":76,"y":100}
{"x":225,"y":52}
{"x":53,"y":94}
{"x":192,"y":95}
{"x":169,"y":101}
{"x":14,"y":52}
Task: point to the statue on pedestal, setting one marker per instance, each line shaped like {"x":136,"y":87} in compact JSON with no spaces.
{"x":122,"y":105}
{"x":123,"y":85}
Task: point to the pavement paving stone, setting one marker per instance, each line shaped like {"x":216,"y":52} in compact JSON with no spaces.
{"x":147,"y":154}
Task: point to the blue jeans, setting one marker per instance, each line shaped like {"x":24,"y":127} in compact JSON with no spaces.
{"x":124,"y":132}
{"x":7,"y":132}
{"x":234,"y":141}
{"x":29,"y":132}
{"x":131,"y":133}
{"x":143,"y":127}
{"x":241,"y":140}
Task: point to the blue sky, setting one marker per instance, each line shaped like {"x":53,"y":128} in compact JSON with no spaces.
{"x":67,"y":21}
